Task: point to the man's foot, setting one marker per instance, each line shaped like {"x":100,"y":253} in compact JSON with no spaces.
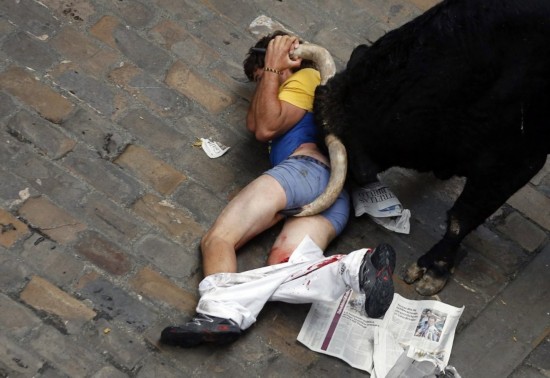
{"x":201,"y":329}
{"x":375,"y":278}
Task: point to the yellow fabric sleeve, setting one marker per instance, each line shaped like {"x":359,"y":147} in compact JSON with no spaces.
{"x":299,"y":89}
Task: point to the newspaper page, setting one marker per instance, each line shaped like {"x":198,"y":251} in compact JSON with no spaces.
{"x":379,"y":202}
{"x":341,"y":329}
{"x":424,"y":329}
{"x":411,"y":332}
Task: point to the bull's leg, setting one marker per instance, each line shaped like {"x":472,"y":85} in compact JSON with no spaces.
{"x":481,"y":197}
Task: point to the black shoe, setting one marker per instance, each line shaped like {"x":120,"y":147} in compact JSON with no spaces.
{"x":201,"y":329}
{"x":375,"y":277}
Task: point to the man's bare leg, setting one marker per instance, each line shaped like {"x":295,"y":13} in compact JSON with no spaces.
{"x":252,"y":211}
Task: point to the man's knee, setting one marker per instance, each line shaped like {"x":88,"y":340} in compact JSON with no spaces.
{"x":279,"y":255}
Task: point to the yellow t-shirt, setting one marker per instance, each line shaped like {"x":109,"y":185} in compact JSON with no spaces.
{"x":299,"y":89}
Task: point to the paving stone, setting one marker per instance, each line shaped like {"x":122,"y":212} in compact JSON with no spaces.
{"x":13,"y":273}
{"x":151,"y":284}
{"x":103,"y":175}
{"x":29,"y":51}
{"x":156,"y":95}
{"x":503,"y":335}
{"x":98,"y":132}
{"x":9,"y":146}
{"x":212,"y":173}
{"x":100,"y":96}
{"x":54,"y":262}
{"x":175,"y":38}
{"x":156,"y":367}
{"x":506,"y":255}
{"x":340,"y":45}
{"x":43,"y":295}
{"x":527,"y":372}
{"x":46,"y":178}
{"x":109,"y":30}
{"x":155,"y":133}
{"x":74,"y":12}
{"x":358,"y":20}
{"x":544,"y":172}
{"x":534,"y":205}
{"x":114,"y":221}
{"x":185,"y":80}
{"x":476,"y":273}
{"x":112,"y":302}
{"x":32,"y":17}
{"x":199,"y":201}
{"x":50,"y":219}
{"x":148,"y":168}
{"x":240,"y":12}
{"x":103,"y":253}
{"x":126,"y":53}
{"x":185,"y":11}
{"x":121,"y":346}
{"x":224,"y":364}
{"x":283,"y":339}
{"x":175,"y":222}
{"x":263,"y":25}
{"x":69,"y":356}
{"x":17,"y":362}
{"x":48,"y":103}
{"x":6,"y":27}
{"x":11,"y":229}
{"x":424,"y":4}
{"x":174,"y":260}
{"x":91,"y":57}
{"x":527,"y":234}
{"x":135,"y":14}
{"x":109,"y":372}
{"x":7,"y":105}
{"x":44,"y":136}
{"x":293,"y":16}
{"x":16,"y":320}
{"x":539,"y":357}
{"x":231,"y":75}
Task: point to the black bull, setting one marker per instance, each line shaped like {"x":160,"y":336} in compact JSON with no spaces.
{"x":463,"y":89}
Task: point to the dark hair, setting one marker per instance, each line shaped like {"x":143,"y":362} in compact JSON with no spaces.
{"x":255,"y":59}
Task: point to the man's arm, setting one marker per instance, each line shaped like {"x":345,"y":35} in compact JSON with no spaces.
{"x":268,"y":117}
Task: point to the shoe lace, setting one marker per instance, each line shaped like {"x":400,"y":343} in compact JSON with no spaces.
{"x":199,"y":318}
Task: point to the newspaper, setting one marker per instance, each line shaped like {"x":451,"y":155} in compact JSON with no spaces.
{"x":379,"y":202}
{"x":412,"y":336}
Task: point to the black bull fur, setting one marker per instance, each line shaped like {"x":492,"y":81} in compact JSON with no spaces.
{"x":463,"y":89}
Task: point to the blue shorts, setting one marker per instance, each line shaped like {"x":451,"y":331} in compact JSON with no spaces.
{"x":303,"y":179}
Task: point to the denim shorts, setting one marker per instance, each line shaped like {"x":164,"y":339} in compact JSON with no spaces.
{"x":303,"y":179}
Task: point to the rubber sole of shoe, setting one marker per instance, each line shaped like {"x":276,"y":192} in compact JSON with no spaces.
{"x":172,"y":336}
{"x":384,"y":255}
{"x":381,"y":295}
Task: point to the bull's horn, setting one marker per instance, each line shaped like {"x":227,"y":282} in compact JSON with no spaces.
{"x":339,"y":166}
{"x":320,"y":56}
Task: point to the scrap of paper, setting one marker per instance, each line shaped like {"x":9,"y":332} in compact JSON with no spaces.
{"x":213,"y":149}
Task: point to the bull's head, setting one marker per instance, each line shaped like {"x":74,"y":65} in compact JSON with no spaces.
{"x":336,"y":149}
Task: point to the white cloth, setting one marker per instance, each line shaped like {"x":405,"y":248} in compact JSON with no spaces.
{"x":307,"y":277}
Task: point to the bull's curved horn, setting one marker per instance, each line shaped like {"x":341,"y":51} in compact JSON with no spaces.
{"x":339,"y":166}
{"x":336,"y":149}
{"x":320,"y":56}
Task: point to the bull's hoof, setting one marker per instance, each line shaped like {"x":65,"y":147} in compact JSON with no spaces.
{"x":413,"y":273}
{"x":431,"y":283}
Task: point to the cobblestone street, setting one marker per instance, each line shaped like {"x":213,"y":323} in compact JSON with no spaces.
{"x":104,"y":197}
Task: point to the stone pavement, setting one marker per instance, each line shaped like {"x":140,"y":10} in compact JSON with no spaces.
{"x":104,"y":198}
